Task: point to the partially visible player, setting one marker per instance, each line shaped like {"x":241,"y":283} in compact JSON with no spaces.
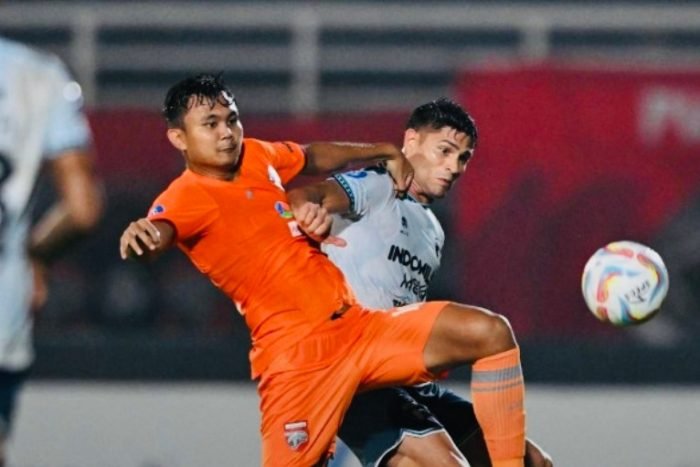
{"x":41,"y":121}
{"x":314,"y":346}
{"x":391,"y":248}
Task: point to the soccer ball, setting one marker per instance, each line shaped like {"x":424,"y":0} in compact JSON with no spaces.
{"x":624,"y":283}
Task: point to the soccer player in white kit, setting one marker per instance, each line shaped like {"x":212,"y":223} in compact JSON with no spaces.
{"x":41,"y":120}
{"x":389,"y":248}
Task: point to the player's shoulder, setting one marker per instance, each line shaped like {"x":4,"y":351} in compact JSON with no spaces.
{"x":17,"y":52}
{"x":255,"y":145}
{"x":187,"y":186}
{"x":369,"y":188}
{"x":374,"y":181}
{"x":268,"y":147}
{"x":375,"y":174}
{"x":257,"y":151}
{"x":185,"y":193}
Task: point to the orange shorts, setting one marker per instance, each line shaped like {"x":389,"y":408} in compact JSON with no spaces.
{"x":306,"y":390}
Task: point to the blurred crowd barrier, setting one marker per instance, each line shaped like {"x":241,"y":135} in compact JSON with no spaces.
{"x":310,"y":57}
{"x":569,"y":158}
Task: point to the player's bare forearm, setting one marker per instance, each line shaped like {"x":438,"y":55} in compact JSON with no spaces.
{"x":78,"y":211}
{"x":53,"y":234}
{"x":330,"y":157}
{"x":323,"y":158}
{"x":144,"y":239}
{"x":327,"y":194}
{"x":313,"y":205}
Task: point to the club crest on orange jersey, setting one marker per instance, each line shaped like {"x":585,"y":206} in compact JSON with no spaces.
{"x":297,"y":434}
{"x":283,"y":210}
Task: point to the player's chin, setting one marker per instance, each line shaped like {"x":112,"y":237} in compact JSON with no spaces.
{"x":229,"y":157}
{"x":439,"y":192}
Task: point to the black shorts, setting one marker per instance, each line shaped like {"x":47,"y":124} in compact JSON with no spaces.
{"x":378,"y":420}
{"x":10,"y":384}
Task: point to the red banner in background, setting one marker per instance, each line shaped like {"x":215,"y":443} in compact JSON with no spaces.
{"x":132,"y":143}
{"x":570,"y":158}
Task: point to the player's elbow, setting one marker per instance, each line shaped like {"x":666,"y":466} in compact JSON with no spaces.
{"x":85,"y":221}
{"x":86,"y":215}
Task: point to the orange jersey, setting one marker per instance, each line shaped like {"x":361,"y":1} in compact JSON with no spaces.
{"x":242,"y":235}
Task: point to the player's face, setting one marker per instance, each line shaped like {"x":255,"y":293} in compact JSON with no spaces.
{"x":438,"y":157}
{"x":211,"y":137}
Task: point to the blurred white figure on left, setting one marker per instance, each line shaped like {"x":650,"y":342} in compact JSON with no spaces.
{"x":41,"y":121}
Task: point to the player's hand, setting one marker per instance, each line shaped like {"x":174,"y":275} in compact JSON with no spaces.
{"x":315,"y":221}
{"x":140,"y":237}
{"x":401,"y":171}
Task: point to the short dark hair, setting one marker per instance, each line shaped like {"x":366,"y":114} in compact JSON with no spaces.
{"x":208,"y":88}
{"x":443,"y":112}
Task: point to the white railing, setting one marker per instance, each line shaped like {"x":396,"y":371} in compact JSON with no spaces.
{"x":534,"y":25}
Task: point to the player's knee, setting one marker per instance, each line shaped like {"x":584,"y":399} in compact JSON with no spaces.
{"x":502,"y":337}
{"x":489,"y":332}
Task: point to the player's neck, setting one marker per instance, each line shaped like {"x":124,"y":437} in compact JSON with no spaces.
{"x":419,"y":195}
{"x":217,"y":173}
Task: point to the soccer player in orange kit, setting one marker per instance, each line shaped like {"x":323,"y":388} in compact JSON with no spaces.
{"x":313,"y":345}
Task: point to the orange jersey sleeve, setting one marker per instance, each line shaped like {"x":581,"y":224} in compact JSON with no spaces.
{"x":287,"y":158}
{"x":241,"y":233}
{"x":189,"y":209}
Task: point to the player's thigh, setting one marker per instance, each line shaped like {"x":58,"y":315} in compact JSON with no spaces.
{"x":432,"y":450}
{"x":378,"y":421}
{"x":393,"y":345}
{"x":302,"y":410}
{"x":463,"y":334}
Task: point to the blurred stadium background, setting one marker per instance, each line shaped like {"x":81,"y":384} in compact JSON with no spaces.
{"x":589,"y":118}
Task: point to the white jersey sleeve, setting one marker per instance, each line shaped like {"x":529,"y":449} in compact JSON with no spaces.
{"x":393,"y":245}
{"x":67,"y":127}
{"x":40,"y":117}
{"x":367,"y":189}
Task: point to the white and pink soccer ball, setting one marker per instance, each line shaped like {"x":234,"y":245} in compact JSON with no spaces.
{"x":624,"y":283}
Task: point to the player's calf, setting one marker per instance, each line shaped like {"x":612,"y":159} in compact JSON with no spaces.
{"x":464,"y":334}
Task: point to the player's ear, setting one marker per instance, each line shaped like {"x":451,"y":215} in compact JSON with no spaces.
{"x":177,"y":138}
{"x":410,"y":137}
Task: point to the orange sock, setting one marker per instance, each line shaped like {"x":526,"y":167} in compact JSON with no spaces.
{"x":498,"y":394}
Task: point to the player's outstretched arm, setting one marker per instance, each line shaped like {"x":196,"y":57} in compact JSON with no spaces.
{"x":313,"y":205}
{"x":323,"y":158}
{"x":146,"y":239}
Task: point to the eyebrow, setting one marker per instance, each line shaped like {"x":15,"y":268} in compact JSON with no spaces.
{"x":213,"y":116}
{"x":454,"y":145}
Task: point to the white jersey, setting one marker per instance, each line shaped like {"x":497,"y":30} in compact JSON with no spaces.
{"x":393,"y":245}
{"x":40,"y":117}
